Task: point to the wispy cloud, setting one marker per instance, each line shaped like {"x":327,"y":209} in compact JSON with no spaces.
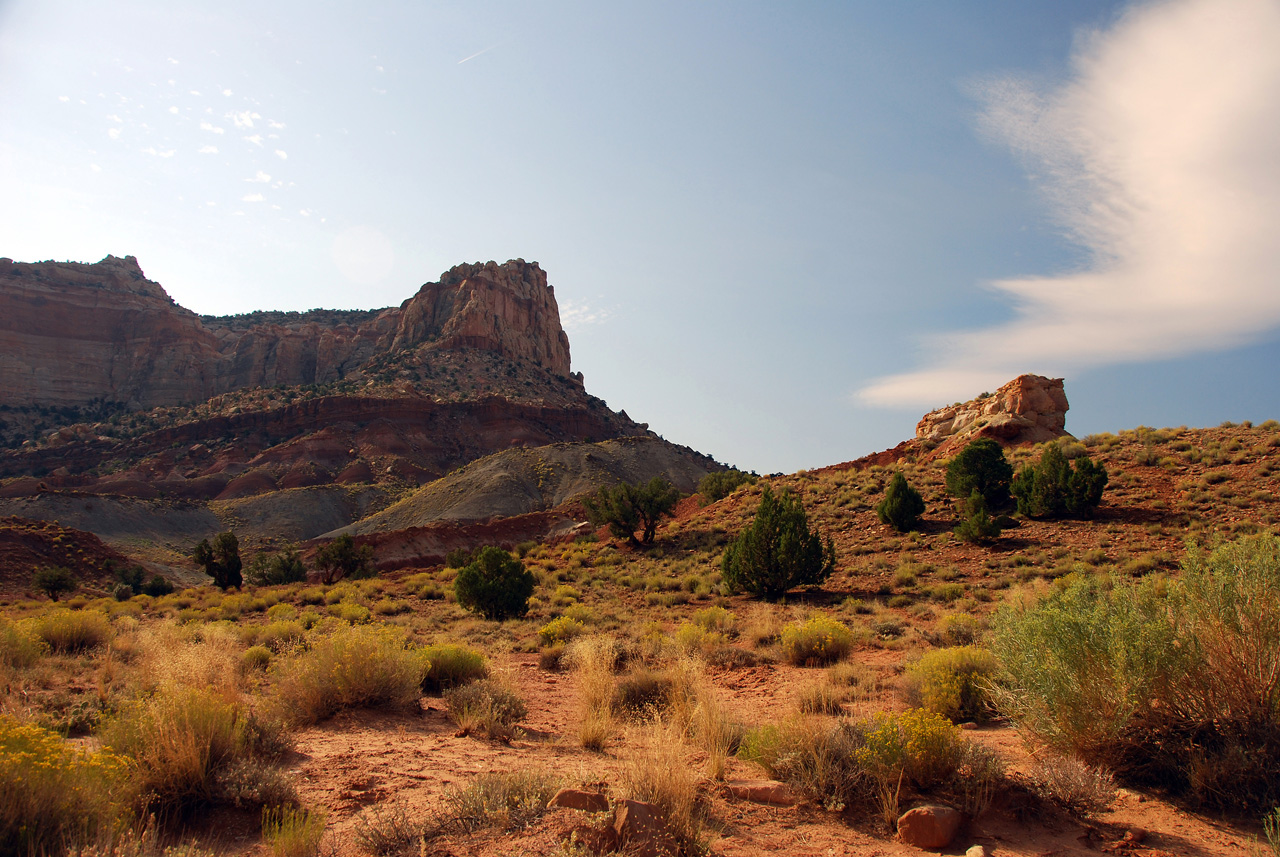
{"x":476,"y":54}
{"x":576,"y":316}
{"x":252,"y":197}
{"x":1161,"y":157}
{"x":208,"y":150}
{"x":262,"y":177}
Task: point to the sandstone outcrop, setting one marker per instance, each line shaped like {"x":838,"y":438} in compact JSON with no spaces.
{"x":1028,"y":409}
{"x":72,"y":334}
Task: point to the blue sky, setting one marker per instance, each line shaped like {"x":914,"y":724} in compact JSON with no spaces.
{"x":779,"y":233}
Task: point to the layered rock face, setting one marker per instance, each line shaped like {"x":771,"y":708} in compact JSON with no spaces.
{"x":1028,"y":409}
{"x":73,"y":333}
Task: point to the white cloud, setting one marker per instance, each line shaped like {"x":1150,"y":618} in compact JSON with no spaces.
{"x":252,"y":197}
{"x":279,"y":126}
{"x":208,"y":150}
{"x":211,"y":128}
{"x":173,"y":110}
{"x":113,"y":133}
{"x":114,"y":118}
{"x":260,"y":177}
{"x":256,"y":139}
{"x":576,"y":316}
{"x":282,"y":154}
{"x":1161,"y":157}
{"x":227,"y":93}
{"x":64,"y":98}
{"x":95,"y":168}
{"x":243,"y":118}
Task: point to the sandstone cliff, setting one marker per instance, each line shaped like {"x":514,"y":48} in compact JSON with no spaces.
{"x":1028,"y":409}
{"x":72,"y":334}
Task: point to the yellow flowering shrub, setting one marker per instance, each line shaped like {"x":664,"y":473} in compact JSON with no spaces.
{"x":820,"y":640}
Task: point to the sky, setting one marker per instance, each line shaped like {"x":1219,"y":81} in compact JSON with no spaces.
{"x":778,"y":233}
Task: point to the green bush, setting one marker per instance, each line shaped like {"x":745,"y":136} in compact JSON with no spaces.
{"x":722,"y":483}
{"x":1053,"y":488}
{"x":452,"y":665}
{"x":496,"y":585}
{"x":819,"y":640}
{"x":255,"y":659}
{"x":628,"y":508}
{"x":341,"y":558}
{"x":982,"y":467}
{"x":283,"y":566}
{"x":953,"y":682}
{"x":508,"y":800}
{"x":54,"y":581}
{"x":902,"y":505}
{"x":559,"y":631}
{"x":221,"y":560}
{"x":157,"y":586}
{"x":778,"y":551}
{"x":1172,"y":684}
{"x":978,"y":527}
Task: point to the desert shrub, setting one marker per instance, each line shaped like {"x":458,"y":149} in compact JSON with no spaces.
{"x":657,"y":773}
{"x":644,"y":693}
{"x":1053,"y":488}
{"x":902,"y":505}
{"x":722,"y":483}
{"x":630,"y":508}
{"x":815,"y":758}
{"x":821,"y":697}
{"x":1168,"y":683}
{"x":458,"y":558}
{"x":283,"y":566}
{"x":952,"y":682}
{"x":350,"y":612}
{"x":509,"y":800}
{"x":920,"y":745}
{"x":281,"y":635}
{"x":255,"y":658}
{"x":342,"y":558}
{"x":157,"y":586}
{"x":819,"y":640}
{"x":982,"y":467}
{"x":54,"y":581}
{"x":292,"y":831}
{"x":777,"y":552}
{"x":1271,"y":822}
{"x":390,"y":607}
{"x":487,"y":706}
{"x":178,"y":741}
{"x":559,"y":631}
{"x":452,"y":665}
{"x":594,"y":659}
{"x":959,"y":629}
{"x":18,"y":647}
{"x":496,"y":585}
{"x":70,"y":631}
{"x":353,"y":666}
{"x":52,"y":791}
{"x":220,"y":560}
{"x":715,"y":618}
{"x":978,"y":527}
{"x":1070,"y":783}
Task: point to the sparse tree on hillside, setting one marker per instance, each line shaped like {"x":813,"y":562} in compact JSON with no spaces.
{"x":778,"y":551}
{"x":283,"y":566}
{"x":1052,"y":488}
{"x":221,"y":560}
{"x":54,"y":581}
{"x":978,"y":525}
{"x":982,"y":467}
{"x":341,"y":558}
{"x":628,"y":508}
{"x":902,"y":505}
{"x":720,"y":484}
{"x":496,"y":585}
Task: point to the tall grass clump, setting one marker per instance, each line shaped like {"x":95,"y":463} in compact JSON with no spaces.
{"x":51,"y":792}
{"x":490,"y":706}
{"x":594,"y":659}
{"x":19,"y":648}
{"x":1175,"y":684}
{"x":292,"y":831}
{"x":953,"y":682}
{"x":178,"y":741}
{"x":353,"y":666}
{"x":70,"y":631}
{"x":658,"y":774}
{"x":820,"y":640}
{"x":509,"y":800}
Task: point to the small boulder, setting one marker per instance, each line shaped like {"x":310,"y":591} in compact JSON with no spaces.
{"x":929,"y":826}
{"x":975,"y":851}
{"x":579,"y":799}
{"x":642,"y":830}
{"x":762,"y":791}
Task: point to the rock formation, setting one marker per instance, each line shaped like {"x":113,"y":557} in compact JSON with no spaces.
{"x":71,"y":334}
{"x":1028,"y":409}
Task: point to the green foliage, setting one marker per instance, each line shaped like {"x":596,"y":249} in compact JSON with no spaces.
{"x":820,"y":640}
{"x":54,"y":581}
{"x":221,"y":560}
{"x":902,"y":505}
{"x":978,"y":526}
{"x":458,"y":558}
{"x":283,"y":566}
{"x":982,"y":467}
{"x":157,"y":586}
{"x":496,"y":585}
{"x":133,"y":577}
{"x":778,"y":551}
{"x":720,"y":484}
{"x":560,"y":630}
{"x":342,"y":558}
{"x":1052,"y":488}
{"x":509,"y":800}
{"x":953,"y":682}
{"x":1174,"y":684}
{"x":452,"y":665}
{"x":628,"y":508}
{"x":292,"y":832}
